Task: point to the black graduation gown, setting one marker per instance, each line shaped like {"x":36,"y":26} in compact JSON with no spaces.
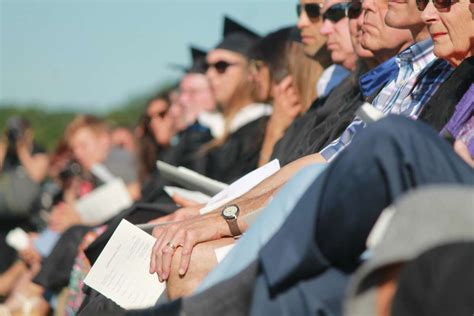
{"x":185,"y":153}
{"x":324,"y":122}
{"x":238,"y":155}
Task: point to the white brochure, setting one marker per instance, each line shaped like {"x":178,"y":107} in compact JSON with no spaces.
{"x":241,"y":186}
{"x":104,"y":202}
{"x":121,"y":271}
{"x":194,"y":196}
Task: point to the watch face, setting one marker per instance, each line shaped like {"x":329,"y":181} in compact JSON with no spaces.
{"x":230,"y":211}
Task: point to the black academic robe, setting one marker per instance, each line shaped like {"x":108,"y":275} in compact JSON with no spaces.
{"x":324,"y":122}
{"x":238,"y":155}
{"x":185,"y":153}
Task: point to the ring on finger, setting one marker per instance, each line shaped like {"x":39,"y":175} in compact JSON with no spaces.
{"x":171,"y":245}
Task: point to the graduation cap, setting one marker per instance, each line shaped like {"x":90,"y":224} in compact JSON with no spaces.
{"x":237,"y":38}
{"x":198,"y":58}
{"x":199,"y":61}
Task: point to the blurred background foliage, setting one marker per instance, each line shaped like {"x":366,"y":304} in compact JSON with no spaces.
{"x":49,"y":125}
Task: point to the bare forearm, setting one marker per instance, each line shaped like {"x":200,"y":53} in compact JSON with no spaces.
{"x":36,"y":166}
{"x":258,"y":196}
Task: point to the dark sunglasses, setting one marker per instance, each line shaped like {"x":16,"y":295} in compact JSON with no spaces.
{"x":161,"y":115}
{"x":220,"y":66}
{"x":355,"y":9}
{"x":337,"y":12}
{"x":313,"y":10}
{"x":438,"y":4}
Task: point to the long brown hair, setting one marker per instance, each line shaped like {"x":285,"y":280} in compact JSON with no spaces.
{"x":148,"y":149}
{"x":284,"y":55}
{"x":306,"y":72}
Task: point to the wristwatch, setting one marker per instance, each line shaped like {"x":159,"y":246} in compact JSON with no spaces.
{"x":230,"y":213}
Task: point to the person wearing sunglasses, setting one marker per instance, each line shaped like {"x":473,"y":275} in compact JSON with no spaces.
{"x":418,"y":72}
{"x":241,"y":102}
{"x":160,"y":124}
{"x":451,"y":26}
{"x":335,"y":28}
{"x":356,"y":19}
{"x":196,"y":96}
{"x":314,"y":157}
{"x":191,"y":277}
{"x":309,"y":24}
{"x":237,"y":151}
{"x":310,"y":20}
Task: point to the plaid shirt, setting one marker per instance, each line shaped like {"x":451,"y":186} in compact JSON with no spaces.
{"x":419,"y":76}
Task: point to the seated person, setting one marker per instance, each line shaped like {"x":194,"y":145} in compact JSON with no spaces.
{"x":422,"y":83}
{"x":89,"y":140}
{"x":465,"y":38}
{"x":293,"y":77}
{"x":236,"y":152}
{"x":420,"y":221}
{"x":123,"y":137}
{"x":23,"y":167}
{"x":448,"y":280}
{"x":328,"y":226}
{"x":196,"y":97}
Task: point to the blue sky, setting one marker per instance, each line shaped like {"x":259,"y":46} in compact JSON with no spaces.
{"x":96,"y":54}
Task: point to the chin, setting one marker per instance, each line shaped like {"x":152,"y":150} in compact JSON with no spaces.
{"x":442,"y":52}
{"x":310,"y":50}
{"x":392,"y":21}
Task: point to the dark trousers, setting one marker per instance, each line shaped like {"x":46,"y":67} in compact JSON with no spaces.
{"x":330,"y":225}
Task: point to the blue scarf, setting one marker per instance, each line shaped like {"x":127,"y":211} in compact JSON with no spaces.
{"x":374,"y":79}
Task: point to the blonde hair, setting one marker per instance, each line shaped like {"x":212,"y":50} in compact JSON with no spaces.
{"x":95,"y":124}
{"x":306,"y":71}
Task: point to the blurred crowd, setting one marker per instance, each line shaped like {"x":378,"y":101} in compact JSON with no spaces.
{"x":368,"y":108}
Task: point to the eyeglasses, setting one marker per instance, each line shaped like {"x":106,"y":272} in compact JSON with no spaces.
{"x":220,"y":66}
{"x":438,"y":4}
{"x":337,"y":12}
{"x":355,"y":9}
{"x":313,"y":10}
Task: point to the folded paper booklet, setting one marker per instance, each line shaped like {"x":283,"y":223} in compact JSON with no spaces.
{"x":121,"y":271}
{"x":104,"y":202}
{"x":18,"y":239}
{"x":190,"y":179}
{"x":194,"y":196}
{"x":242,"y":186}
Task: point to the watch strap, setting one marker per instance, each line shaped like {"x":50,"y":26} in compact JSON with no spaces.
{"x":234,"y":227}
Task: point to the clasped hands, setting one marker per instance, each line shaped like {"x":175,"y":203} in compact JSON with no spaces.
{"x":187,"y":229}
